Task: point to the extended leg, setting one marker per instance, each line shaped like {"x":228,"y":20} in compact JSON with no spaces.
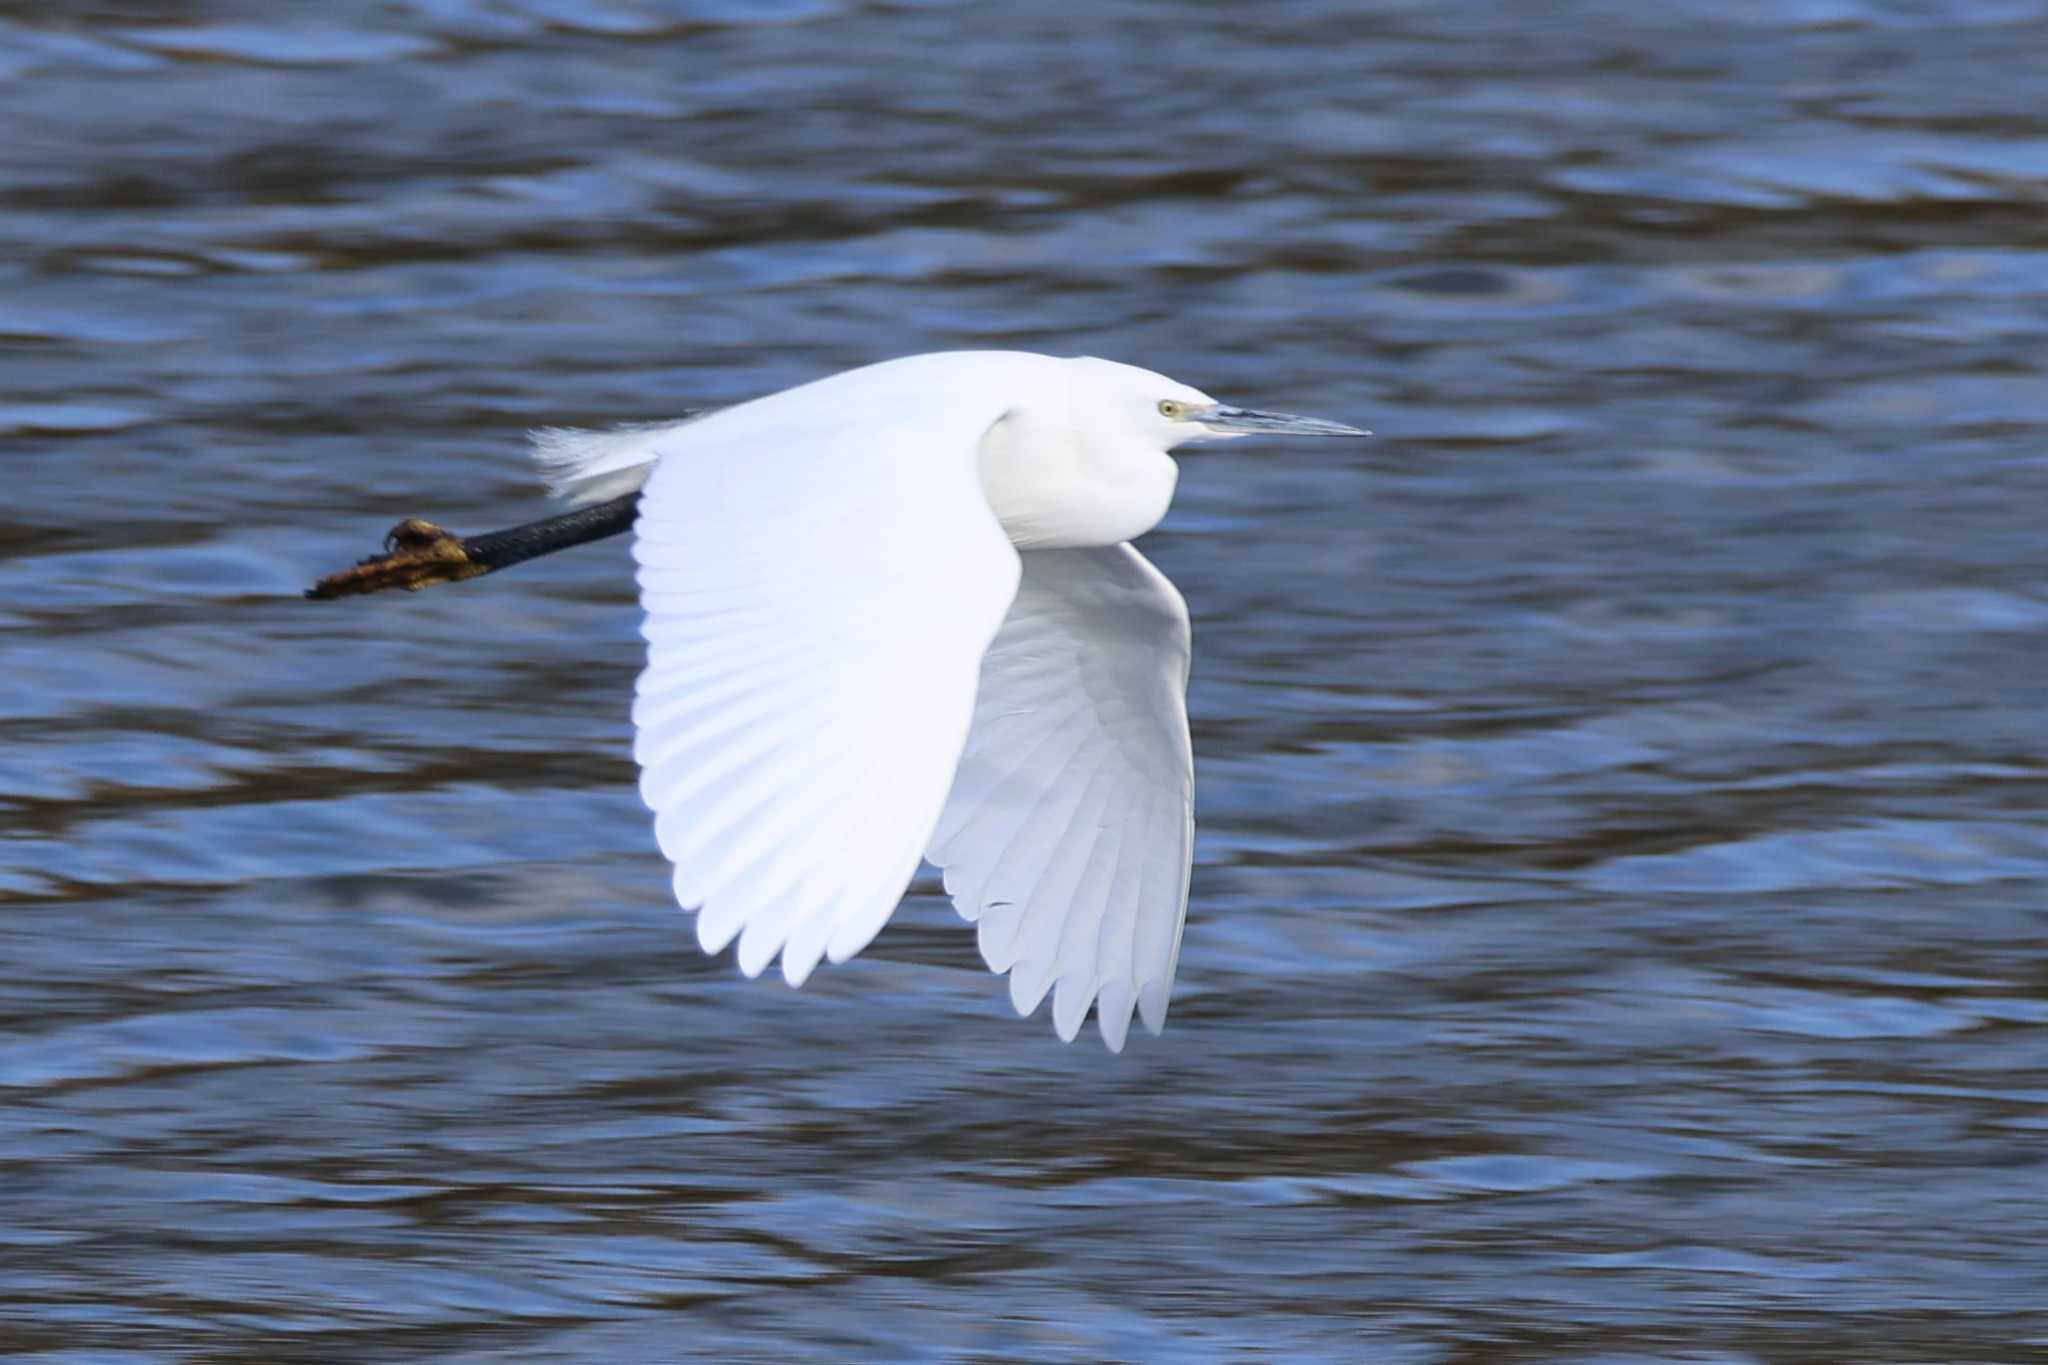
{"x":418,"y":554}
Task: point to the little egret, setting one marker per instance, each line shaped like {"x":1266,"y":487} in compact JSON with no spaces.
{"x":892,"y":616}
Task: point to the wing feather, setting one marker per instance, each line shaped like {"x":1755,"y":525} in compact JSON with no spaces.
{"x":1068,"y":833}
{"x":817,"y":608}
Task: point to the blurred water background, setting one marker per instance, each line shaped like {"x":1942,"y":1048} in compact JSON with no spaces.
{"x":1617,"y":931}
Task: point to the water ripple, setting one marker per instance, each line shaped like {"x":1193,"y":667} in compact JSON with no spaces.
{"x":1616,"y":924}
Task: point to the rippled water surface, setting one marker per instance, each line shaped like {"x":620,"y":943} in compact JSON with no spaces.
{"x":1618,"y":915}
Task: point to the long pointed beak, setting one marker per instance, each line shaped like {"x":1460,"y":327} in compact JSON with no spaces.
{"x":1228,"y":421}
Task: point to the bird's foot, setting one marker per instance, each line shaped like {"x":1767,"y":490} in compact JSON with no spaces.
{"x":417,"y":554}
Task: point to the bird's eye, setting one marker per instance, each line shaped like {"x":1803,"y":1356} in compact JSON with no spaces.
{"x":1170,"y":409}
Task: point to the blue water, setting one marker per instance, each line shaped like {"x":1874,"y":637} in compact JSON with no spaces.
{"x":1618,"y":928}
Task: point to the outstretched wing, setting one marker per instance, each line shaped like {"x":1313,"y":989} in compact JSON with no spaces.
{"x":820,"y":586}
{"x":1070,"y":827}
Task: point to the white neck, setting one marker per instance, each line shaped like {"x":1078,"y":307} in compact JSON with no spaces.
{"x":1057,"y":485}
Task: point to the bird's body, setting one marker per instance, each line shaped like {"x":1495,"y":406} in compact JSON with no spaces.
{"x":893,"y":616}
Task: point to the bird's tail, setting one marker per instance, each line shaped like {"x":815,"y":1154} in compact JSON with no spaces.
{"x":593,"y":466}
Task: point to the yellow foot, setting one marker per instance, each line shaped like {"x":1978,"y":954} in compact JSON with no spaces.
{"x":417,"y":554}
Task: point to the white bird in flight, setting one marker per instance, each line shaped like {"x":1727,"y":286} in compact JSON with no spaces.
{"x":893,"y":616}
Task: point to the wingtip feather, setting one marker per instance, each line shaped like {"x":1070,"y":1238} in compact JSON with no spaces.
{"x":1113,"y":1015}
{"x":1153,"y":998}
{"x":759,"y":943}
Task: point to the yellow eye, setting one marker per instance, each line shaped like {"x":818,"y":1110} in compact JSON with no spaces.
{"x":1170,"y":409}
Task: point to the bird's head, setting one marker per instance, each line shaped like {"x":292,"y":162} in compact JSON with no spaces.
{"x":1165,"y":413}
{"x":1082,"y":457}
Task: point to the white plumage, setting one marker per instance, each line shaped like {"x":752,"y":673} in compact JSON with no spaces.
{"x":1071,"y":820}
{"x":891,"y":615}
